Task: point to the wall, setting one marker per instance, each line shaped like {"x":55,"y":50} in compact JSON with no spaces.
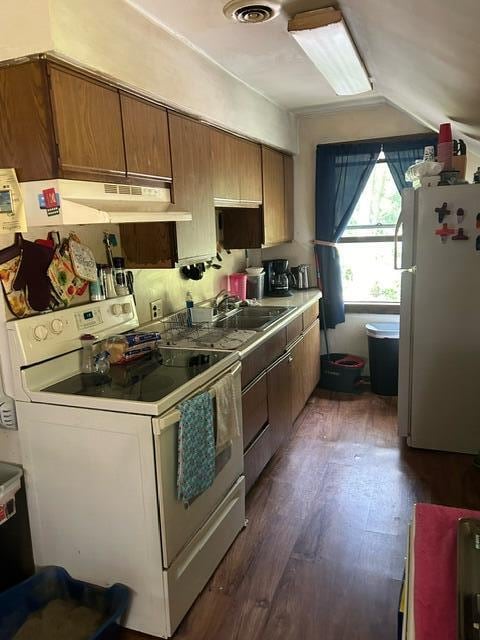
{"x":112,"y":37}
{"x":167,"y":284}
{"x":116,"y":39}
{"x":322,"y":127}
{"x":26,"y":28}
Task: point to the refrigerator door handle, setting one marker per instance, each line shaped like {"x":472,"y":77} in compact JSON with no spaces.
{"x":395,"y":243}
{"x":398,"y":226}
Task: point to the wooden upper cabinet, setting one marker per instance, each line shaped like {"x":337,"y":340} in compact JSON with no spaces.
{"x":250,"y":171}
{"x":273,"y":197}
{"x":237,"y":168}
{"x":288,"y":193}
{"x":193,"y":188}
{"x":250,"y":229}
{"x":147,"y":142}
{"x":88,"y":125}
{"x":26,"y":137}
{"x":226,"y":182}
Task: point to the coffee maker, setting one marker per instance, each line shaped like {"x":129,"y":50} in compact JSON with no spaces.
{"x":278,"y":279}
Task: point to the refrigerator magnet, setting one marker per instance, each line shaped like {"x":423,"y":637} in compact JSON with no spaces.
{"x":460,"y":235}
{"x":460,"y":215}
{"x":442,"y":212}
{"x":444,"y":232}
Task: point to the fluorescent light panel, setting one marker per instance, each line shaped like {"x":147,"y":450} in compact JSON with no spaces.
{"x":332,"y":50}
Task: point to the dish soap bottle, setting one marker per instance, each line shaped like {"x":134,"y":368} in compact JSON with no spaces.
{"x":189,"y":306}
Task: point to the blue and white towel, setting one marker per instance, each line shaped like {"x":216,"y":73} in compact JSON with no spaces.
{"x":196,"y":447}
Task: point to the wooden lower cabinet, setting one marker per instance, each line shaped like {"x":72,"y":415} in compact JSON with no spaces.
{"x":297,"y":364}
{"x":278,"y":377}
{"x":294,"y":329}
{"x":257,"y":456}
{"x":254,"y":409}
{"x":311,"y":359}
{"x":263,"y":356}
{"x":279,"y":383}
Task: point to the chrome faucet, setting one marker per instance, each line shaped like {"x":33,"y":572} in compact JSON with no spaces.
{"x":222,"y":299}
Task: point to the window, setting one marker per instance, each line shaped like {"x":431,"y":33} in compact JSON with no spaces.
{"x":366,"y":247}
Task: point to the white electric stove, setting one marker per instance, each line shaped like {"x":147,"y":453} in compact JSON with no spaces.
{"x":100,"y":458}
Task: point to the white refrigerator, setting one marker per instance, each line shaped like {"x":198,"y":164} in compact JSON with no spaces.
{"x":439,"y":361}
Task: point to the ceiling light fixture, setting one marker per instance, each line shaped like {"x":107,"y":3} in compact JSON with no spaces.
{"x":324,"y":37}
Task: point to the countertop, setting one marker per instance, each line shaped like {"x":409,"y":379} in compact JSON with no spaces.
{"x":297,"y":299}
{"x":300,"y":300}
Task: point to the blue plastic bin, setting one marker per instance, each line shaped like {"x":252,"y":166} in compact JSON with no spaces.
{"x":52,"y":583}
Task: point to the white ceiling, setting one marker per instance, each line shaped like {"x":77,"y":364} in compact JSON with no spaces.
{"x":423,"y":54}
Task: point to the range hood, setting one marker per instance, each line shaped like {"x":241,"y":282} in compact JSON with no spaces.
{"x":59,"y":202}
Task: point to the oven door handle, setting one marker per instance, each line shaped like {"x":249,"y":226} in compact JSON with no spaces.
{"x":159,"y":424}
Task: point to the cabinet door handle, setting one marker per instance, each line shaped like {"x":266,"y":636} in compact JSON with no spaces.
{"x":290,"y":358}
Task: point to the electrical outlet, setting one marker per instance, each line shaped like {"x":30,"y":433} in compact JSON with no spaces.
{"x":156,"y":309}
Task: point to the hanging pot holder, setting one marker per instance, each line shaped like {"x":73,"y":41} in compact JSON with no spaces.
{"x":32,"y":275}
{"x":10,"y":259}
{"x":83,"y":260}
{"x":63,"y":278}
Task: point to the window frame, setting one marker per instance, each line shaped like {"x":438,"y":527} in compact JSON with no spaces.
{"x":380,"y":307}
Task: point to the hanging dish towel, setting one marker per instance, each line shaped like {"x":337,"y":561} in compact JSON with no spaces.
{"x":196,"y":447}
{"x":227,"y":394}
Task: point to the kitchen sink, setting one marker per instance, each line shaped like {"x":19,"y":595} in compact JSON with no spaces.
{"x":255,"y":318}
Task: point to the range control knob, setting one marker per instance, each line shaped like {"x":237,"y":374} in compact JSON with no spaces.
{"x":56,"y":326}
{"x":40,"y":332}
{"x":126,"y":307}
{"x":117,"y":309}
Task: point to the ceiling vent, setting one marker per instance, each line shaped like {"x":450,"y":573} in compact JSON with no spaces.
{"x":248,"y":13}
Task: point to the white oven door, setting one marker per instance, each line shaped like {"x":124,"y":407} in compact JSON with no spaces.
{"x":179,"y":523}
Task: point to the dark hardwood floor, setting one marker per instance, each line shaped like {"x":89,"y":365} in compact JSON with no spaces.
{"x":322,"y":556}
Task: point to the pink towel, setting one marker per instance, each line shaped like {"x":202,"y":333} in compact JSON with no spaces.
{"x":435,"y":583}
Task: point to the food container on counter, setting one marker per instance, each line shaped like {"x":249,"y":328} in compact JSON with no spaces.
{"x":130,"y":346}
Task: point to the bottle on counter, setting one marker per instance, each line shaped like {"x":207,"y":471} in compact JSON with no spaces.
{"x":120,"y":276}
{"x":97,"y":290}
{"x":189,"y":306}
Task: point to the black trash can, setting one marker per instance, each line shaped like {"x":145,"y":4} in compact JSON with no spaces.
{"x":15,"y":539}
{"x":383,"y":340}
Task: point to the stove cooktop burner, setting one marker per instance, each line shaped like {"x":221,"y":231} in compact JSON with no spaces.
{"x":147,"y":380}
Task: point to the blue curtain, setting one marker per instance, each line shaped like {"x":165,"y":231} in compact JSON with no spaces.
{"x":342,"y":173}
{"x":402,"y":154}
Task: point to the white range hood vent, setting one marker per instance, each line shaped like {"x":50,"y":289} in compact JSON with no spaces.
{"x":69,"y":202}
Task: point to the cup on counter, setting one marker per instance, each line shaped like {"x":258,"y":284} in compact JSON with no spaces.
{"x":237,"y":285}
